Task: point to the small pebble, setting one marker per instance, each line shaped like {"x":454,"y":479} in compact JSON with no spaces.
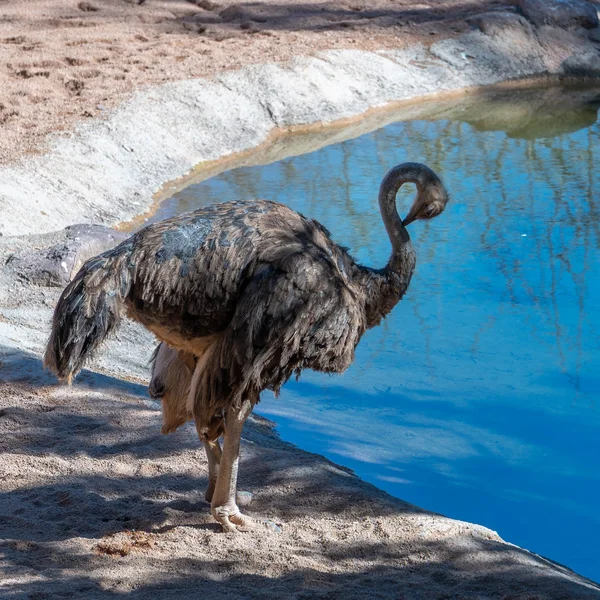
{"x":244,"y":498}
{"x":272,"y":526}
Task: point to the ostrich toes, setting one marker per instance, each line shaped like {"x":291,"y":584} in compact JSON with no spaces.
{"x":245,"y":523}
{"x":232,"y":522}
{"x":227,"y":524}
{"x":242,"y":522}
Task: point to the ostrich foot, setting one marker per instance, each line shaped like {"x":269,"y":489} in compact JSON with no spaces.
{"x":233,"y":521}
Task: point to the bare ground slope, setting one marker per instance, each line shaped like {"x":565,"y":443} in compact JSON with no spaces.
{"x":62,"y":61}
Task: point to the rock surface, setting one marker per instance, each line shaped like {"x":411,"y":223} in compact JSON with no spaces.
{"x":161,"y":133}
{"x":496,"y":23}
{"x":56,"y":265}
{"x":560,"y":13}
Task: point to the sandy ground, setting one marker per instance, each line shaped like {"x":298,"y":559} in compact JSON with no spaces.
{"x":62,"y":60}
{"x":95,"y":504}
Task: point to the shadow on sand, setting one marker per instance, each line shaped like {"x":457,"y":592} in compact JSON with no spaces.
{"x":219,"y":21}
{"x":88,"y":462}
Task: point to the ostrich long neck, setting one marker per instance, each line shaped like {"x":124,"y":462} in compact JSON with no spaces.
{"x":385,"y":287}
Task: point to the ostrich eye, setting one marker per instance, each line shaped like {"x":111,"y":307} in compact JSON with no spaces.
{"x":430,"y":211}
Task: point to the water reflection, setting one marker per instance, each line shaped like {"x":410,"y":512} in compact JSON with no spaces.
{"x":531,"y":114}
{"x":477,"y":396}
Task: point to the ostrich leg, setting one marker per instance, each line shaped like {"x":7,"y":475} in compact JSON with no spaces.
{"x":213,"y":454}
{"x":223,"y":504}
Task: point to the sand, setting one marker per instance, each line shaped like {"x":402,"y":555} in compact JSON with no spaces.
{"x":63,"y":61}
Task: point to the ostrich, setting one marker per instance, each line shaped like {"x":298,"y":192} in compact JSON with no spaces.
{"x":242,"y":296}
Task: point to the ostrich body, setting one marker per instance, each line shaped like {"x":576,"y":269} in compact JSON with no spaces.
{"x":242,"y":295}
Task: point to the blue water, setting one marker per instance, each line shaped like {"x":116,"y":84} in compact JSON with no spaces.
{"x":478,"y":397}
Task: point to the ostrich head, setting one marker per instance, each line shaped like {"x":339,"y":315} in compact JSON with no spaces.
{"x":430,"y":201}
{"x":431,"y":198}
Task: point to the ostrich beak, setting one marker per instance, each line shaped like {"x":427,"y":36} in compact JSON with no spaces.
{"x":413,"y":215}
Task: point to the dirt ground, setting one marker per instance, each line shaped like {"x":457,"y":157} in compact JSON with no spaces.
{"x":63,"y":60}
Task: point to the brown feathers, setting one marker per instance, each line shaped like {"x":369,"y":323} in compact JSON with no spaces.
{"x":253,"y":290}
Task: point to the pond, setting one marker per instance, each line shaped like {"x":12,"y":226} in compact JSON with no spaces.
{"x":478,"y":396}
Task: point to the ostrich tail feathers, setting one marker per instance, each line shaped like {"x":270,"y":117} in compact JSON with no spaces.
{"x":87,"y":312}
